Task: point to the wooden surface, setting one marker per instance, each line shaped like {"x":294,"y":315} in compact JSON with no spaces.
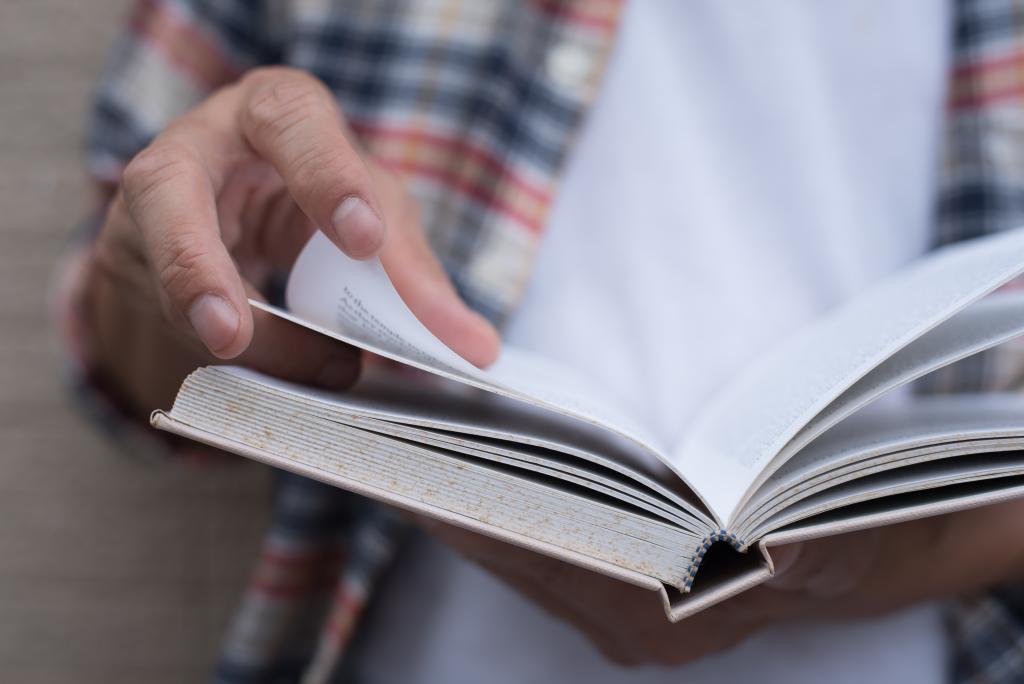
{"x":111,"y":569}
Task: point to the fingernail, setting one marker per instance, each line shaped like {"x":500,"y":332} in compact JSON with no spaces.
{"x":214,"y":320}
{"x":338,"y":373}
{"x":358,"y":228}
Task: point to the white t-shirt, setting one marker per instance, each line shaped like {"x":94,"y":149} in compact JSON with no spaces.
{"x":746,"y":166}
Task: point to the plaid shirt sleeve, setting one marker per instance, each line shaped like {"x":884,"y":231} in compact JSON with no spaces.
{"x":169,"y":56}
{"x":982,"y":191}
{"x":325,"y":547}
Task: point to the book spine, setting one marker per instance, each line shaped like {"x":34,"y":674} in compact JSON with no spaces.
{"x":720,"y":536}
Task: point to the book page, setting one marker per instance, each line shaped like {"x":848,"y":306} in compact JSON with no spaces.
{"x":922,"y":422}
{"x":891,"y":510}
{"x":355,"y":302}
{"x":892,"y":483}
{"x":517,"y":502}
{"x":994,"y":320}
{"x":873,"y":440}
{"x":401,"y":397}
{"x":741,"y":431}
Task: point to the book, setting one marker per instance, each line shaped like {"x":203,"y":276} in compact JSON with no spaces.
{"x":804,"y":443}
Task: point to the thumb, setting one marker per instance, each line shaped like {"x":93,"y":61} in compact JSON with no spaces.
{"x":429,"y":294}
{"x":783,"y":560}
{"x":830,"y":567}
{"x":421,"y":282}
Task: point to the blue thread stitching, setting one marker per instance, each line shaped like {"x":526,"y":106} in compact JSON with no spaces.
{"x":721,"y":535}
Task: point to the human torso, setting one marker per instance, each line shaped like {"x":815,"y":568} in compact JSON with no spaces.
{"x":743,"y":170}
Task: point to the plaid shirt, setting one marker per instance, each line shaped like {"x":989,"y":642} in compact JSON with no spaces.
{"x":475,"y":104}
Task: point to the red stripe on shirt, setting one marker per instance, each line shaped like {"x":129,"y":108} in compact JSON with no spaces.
{"x":300,"y":556}
{"x":348,"y":605}
{"x":292,"y":587}
{"x":293,"y":582}
{"x":184,"y":45}
{"x":454,"y":146}
{"x":602,"y":15}
{"x":450,"y":179}
{"x":986,"y":82}
{"x":451,"y":148}
{"x":290,"y":573}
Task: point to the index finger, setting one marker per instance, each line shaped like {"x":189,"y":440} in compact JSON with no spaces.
{"x":171,"y":199}
{"x":290,"y":119}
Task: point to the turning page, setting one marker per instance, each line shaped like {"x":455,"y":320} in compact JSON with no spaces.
{"x":733,"y":442}
{"x":355,"y":302}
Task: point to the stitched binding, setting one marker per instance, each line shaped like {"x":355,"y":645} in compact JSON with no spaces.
{"x":721,"y":535}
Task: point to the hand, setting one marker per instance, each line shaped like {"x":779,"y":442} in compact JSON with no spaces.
{"x":857,"y":574}
{"x":228,"y":193}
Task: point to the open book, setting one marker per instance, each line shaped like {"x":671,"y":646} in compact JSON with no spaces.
{"x":533,"y":453}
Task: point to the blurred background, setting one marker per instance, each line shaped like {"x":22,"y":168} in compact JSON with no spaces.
{"x":111,"y":569}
